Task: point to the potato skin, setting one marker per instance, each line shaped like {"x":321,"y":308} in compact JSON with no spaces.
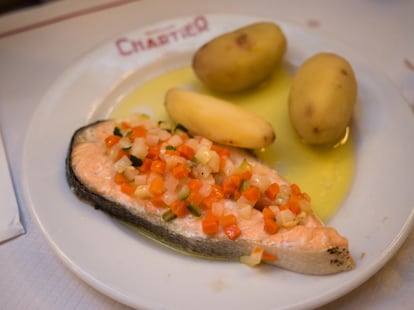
{"x":240,"y":59}
{"x":322,"y":98}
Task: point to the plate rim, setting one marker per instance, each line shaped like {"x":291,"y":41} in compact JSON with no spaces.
{"x":85,"y":276}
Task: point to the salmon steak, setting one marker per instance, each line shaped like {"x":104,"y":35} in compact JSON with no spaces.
{"x":201,"y":197}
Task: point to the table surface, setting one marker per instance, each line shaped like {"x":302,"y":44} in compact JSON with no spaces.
{"x":38,"y":44}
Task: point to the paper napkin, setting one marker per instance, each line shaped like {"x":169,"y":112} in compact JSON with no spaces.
{"x":10,"y":225}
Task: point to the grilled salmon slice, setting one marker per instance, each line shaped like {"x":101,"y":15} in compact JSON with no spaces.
{"x":201,"y":197}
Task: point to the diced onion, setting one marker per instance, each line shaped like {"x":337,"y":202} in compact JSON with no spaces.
{"x":173,"y":160}
{"x":203,"y":155}
{"x":201,"y":171}
{"x":125,"y":143}
{"x":245,"y":211}
{"x":140,"y":179}
{"x":175,"y":140}
{"x":130,"y":173}
{"x":139,"y":148}
{"x":305,"y":206}
{"x":114,"y":151}
{"x":254,"y":258}
{"x":214,"y":162}
{"x":169,"y":197}
{"x":142,"y":191}
{"x":287,"y":218}
{"x":217,"y":208}
{"x":206,"y":143}
{"x":152,"y":139}
{"x":122,"y":164}
{"x":244,"y":208}
{"x":283,"y":195}
{"x":171,"y":183}
{"x":193,"y":143}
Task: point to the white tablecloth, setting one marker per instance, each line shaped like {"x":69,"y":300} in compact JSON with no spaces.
{"x":38,"y":44}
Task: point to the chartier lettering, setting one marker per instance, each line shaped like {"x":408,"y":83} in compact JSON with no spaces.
{"x":123,"y":47}
{"x":127,"y":47}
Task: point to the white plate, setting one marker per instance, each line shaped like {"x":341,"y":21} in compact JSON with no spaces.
{"x":376,"y":217}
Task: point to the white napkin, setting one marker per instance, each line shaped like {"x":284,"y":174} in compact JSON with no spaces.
{"x":10,"y":225}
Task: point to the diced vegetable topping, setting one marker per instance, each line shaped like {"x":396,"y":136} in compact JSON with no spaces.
{"x":185,"y":175}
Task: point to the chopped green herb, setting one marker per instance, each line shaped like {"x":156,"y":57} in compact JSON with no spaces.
{"x":136,"y":162}
{"x":184,"y":193}
{"x":168,"y":215}
{"x":117,"y":132}
{"x":170,"y":147}
{"x":243,"y":185}
{"x":194,"y":209}
{"x":181,"y":127}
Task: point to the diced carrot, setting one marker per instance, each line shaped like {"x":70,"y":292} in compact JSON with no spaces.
{"x":194,"y":185}
{"x":215,"y":195}
{"x":156,"y":186}
{"x":217,"y":192}
{"x":266,"y":256}
{"x":221,"y":151}
{"x":230,"y":185}
{"x":184,"y":135}
{"x":306,"y":197}
{"x":121,"y":153}
{"x":236,"y":195}
{"x":195,"y":198}
{"x":232,"y":231}
{"x":210,"y":227}
{"x":138,"y":131}
{"x":209,"y":215}
{"x":268,"y":213}
{"x":158,"y":166}
{"x":216,"y":148}
{"x":179,"y":208}
{"x":272,"y":190}
{"x":295,"y":189}
{"x":128,"y":188}
{"x":210,"y":223}
{"x":223,"y":154}
{"x":125,"y":125}
{"x":252,"y":193}
{"x":119,"y":178}
{"x":246,"y":175}
{"x":172,"y":152}
{"x":229,"y":224}
{"x":237,"y":179}
{"x":158,"y":201}
{"x":181,"y":171}
{"x":294,"y":205}
{"x":186,"y":151}
{"x":146,"y":165}
{"x":154,"y":151}
{"x":112,"y":140}
{"x":222,"y":163}
{"x":270,"y":226}
{"x":227,"y":220}
{"x":283,"y":207}
{"x":207,"y":202}
{"x":257,"y":250}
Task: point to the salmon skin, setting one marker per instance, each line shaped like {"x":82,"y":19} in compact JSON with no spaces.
{"x":107,"y":167}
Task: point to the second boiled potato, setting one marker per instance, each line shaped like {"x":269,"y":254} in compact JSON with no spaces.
{"x":240,"y":59}
{"x":322,"y":98}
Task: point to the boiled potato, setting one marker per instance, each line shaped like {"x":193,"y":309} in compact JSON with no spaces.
{"x":218,"y":120}
{"x":322,"y":98}
{"x":240,"y":59}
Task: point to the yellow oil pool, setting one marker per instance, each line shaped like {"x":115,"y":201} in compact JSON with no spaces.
{"x":324,"y":173}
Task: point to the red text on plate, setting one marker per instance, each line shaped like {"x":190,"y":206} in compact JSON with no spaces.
{"x":159,"y":37}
